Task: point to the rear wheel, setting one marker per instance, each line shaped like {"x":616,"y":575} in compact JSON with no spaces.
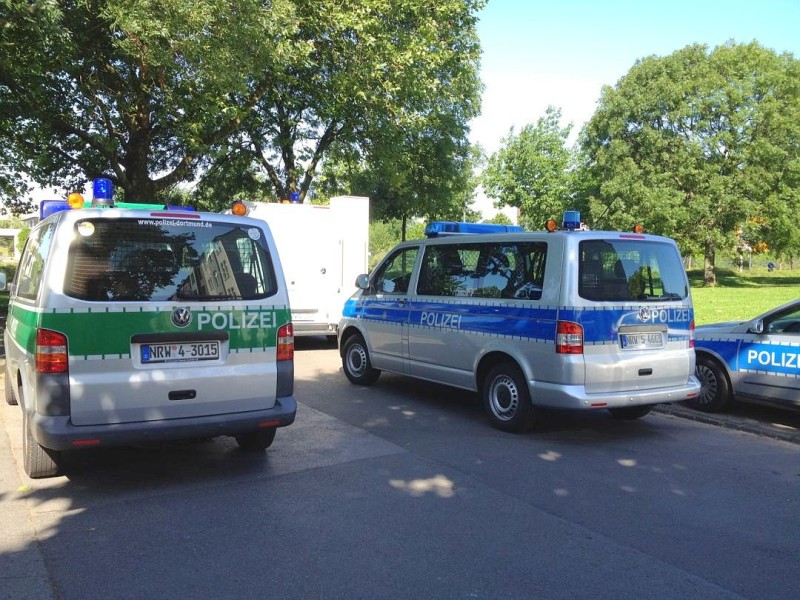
{"x":715,"y":393}
{"x":507,"y":400}
{"x":356,"y":363}
{"x":631,"y":412}
{"x":10,"y":398}
{"x":256,"y":440}
{"x":38,"y":462}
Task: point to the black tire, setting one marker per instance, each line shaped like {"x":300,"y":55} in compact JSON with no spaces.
{"x":715,"y":393}
{"x":10,"y":397}
{"x":255,"y":441}
{"x":507,"y":400}
{"x":629,"y":413}
{"x":356,"y":363}
{"x":38,"y":462}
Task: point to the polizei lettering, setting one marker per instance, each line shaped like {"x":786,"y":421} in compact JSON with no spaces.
{"x":766,"y":358}
{"x":235,"y":320}
{"x":443,"y":320}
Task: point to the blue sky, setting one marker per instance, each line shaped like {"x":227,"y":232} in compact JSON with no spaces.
{"x":561,"y":52}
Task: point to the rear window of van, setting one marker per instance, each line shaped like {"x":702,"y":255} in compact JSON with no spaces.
{"x":128,"y":259}
{"x":623,"y":270}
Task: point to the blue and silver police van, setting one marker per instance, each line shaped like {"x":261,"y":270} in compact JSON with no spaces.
{"x":565,"y":318}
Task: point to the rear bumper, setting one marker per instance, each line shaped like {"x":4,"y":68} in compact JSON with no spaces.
{"x":575,"y":396}
{"x":58,"y":433}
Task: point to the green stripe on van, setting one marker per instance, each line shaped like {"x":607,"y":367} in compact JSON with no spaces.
{"x":103,"y":332}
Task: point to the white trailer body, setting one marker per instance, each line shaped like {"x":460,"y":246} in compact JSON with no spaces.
{"x":322,"y":249}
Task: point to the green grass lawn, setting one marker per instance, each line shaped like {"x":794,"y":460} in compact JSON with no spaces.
{"x":742,"y":295}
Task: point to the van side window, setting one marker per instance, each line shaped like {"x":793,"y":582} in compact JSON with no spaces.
{"x":394,"y":275}
{"x":624,"y":270}
{"x":31,"y":265}
{"x":484,"y":270}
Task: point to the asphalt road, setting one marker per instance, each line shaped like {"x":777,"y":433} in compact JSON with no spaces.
{"x":402,"y":490}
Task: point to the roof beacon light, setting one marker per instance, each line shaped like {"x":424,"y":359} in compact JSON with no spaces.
{"x":572,"y":220}
{"x":103,"y":193}
{"x":239,"y":208}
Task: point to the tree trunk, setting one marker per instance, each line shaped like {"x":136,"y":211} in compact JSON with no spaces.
{"x":403,"y":233}
{"x":709,"y":278}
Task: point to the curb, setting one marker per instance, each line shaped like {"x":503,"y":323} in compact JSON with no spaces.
{"x":778,"y":431}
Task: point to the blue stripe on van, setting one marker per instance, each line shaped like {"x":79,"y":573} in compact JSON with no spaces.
{"x":600,"y":324}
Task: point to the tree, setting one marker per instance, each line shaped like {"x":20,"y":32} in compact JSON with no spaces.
{"x":135,"y":91}
{"x":533,"y":170}
{"x":382,"y":87}
{"x":694,"y":144}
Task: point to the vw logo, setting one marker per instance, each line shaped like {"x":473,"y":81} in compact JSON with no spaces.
{"x":181,"y":317}
{"x":645,"y":314}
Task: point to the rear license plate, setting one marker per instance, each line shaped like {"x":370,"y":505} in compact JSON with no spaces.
{"x":642,"y":341}
{"x":183,"y":352}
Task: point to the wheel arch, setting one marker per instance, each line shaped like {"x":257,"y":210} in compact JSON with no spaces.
{"x":489,"y":360}
{"x":706,"y":354}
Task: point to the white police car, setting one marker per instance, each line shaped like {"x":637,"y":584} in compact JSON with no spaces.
{"x":756,"y":360}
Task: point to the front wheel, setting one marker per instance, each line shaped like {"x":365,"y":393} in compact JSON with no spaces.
{"x":38,"y":462}
{"x":356,"y":363}
{"x":507,"y":400}
{"x":631,"y":412}
{"x":254,"y":441}
{"x":715,"y":393}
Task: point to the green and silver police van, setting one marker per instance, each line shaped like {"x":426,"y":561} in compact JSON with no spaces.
{"x":563,"y":318}
{"x":133,"y":323}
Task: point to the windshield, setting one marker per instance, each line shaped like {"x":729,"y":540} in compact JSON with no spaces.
{"x":153,"y":259}
{"x":620,"y":270}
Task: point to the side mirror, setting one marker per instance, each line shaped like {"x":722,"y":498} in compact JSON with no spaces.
{"x":758,"y":326}
{"x":3,"y":281}
{"x":362,"y":282}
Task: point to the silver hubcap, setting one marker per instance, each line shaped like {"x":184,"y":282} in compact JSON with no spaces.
{"x":708,"y":383}
{"x":357,"y":360}
{"x":504,"y":397}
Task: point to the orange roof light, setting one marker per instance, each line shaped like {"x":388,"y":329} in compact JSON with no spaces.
{"x":239,"y":208}
{"x":551,"y":225}
{"x":75,"y":200}
{"x":638,"y":228}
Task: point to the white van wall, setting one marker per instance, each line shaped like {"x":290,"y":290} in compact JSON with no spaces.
{"x":322,"y":249}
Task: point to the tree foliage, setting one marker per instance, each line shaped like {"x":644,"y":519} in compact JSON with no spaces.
{"x":697,"y":144}
{"x":384,"y":89}
{"x":135,"y":91}
{"x":533,"y":170}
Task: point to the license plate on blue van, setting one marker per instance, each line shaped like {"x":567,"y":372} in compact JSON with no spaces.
{"x":651,"y":340}
{"x":179,"y":352}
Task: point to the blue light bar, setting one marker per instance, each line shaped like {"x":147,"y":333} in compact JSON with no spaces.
{"x":572,"y":220}
{"x":436,"y":228}
{"x":50,"y":207}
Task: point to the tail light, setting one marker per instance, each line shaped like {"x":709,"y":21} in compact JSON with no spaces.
{"x":51,"y":352}
{"x":569,"y":338}
{"x":285,"y":342}
{"x":691,"y":334}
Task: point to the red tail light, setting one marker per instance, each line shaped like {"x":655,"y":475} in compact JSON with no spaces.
{"x":691,"y":334}
{"x":286,"y":342}
{"x":51,"y":352}
{"x":569,"y":338}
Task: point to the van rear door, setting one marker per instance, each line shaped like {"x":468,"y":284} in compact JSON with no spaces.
{"x":169,"y":318}
{"x":636,"y":316}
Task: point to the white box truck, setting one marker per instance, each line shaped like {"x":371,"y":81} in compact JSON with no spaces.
{"x":322,"y":249}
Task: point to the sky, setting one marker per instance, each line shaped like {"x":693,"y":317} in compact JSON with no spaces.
{"x":562,"y":52}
